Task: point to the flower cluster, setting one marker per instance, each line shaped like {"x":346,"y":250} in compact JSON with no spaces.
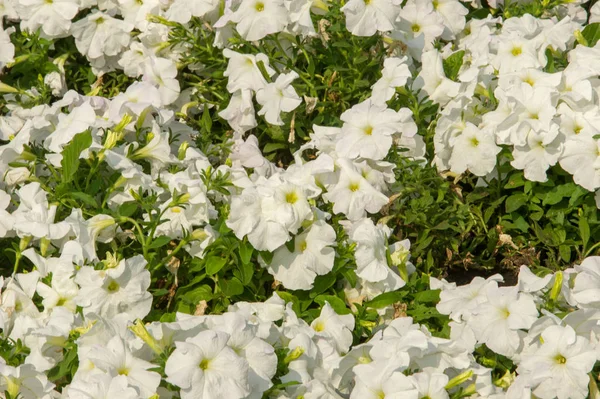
{"x":197,"y":223}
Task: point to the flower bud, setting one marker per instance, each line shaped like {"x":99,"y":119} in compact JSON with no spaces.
{"x":140,"y":331}
{"x":557,"y":286}
{"x":182,"y":150}
{"x":580,"y":38}
{"x":24,"y":243}
{"x":293,"y":355}
{"x":459,"y":379}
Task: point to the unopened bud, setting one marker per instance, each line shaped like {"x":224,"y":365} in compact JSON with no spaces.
{"x":24,"y":243}
{"x":459,"y":379}
{"x":182,"y":150}
{"x":580,"y":38}
{"x":293,"y":355}
{"x":557,"y":286}
{"x":4,"y":88}
{"x":140,"y":331}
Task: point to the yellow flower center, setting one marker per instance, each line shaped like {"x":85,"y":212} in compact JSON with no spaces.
{"x":319,"y":326}
{"x":368,"y":130}
{"x":260,"y":6}
{"x":416,"y":28}
{"x":516,"y":51}
{"x":474,"y":142}
{"x":560,"y":359}
{"x":354,"y":187}
{"x":113,"y":286}
{"x":291,"y":197}
{"x":204,"y":364}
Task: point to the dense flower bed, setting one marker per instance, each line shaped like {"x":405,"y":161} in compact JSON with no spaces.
{"x":270,"y":198}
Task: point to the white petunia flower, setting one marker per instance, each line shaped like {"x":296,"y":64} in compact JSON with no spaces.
{"x":499,"y":321}
{"x":278,"y":97}
{"x":313,"y":255}
{"x":365,"y":18}
{"x":395,"y":74}
{"x":258,"y":18}
{"x":116,"y":358}
{"x":558,"y":367}
{"x":204,"y":366}
{"x":98,"y":35}
{"x":474,"y":150}
{"x":367,"y":131}
{"x":353,"y":195}
{"x":53,"y":17}
{"x":122,"y":289}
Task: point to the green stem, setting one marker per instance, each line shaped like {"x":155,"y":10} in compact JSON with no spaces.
{"x":17,"y":260}
{"x":123,"y":219}
{"x":589,"y":251}
{"x":167,"y":258}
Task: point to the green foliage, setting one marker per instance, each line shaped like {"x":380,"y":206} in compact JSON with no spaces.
{"x":452,"y":65}
{"x":591,"y":34}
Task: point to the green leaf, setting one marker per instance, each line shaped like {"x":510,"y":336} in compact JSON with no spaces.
{"x":428,"y":296}
{"x":385,"y":299}
{"x":159,"y":242}
{"x":515,"y":201}
{"x":200,"y":293}
{"x":271,"y":147}
{"x":556,"y":195}
{"x":591,"y":33}
{"x":515,"y":180}
{"x":206,"y":120}
{"x":127,"y":209}
{"x":322,"y":283}
{"x":65,"y":366}
{"x":214,"y":264}
{"x":71,"y":153}
{"x":565,"y":252}
{"x":85,"y":198}
{"x":231,"y":287}
{"x":584,"y":231}
{"x":336,"y":303}
{"x":244,"y":272}
{"x":246,"y":251}
{"x":452,"y":65}
{"x":550,"y":68}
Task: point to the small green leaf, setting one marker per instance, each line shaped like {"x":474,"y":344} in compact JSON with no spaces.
{"x":127,"y":209}
{"x":244,"y":272}
{"x":515,"y":180}
{"x":85,"y":198}
{"x":214,"y":264}
{"x":452,"y":65}
{"x":584,"y":231}
{"x":159,"y":242}
{"x":71,"y":153}
{"x":336,"y":303}
{"x":565,"y":252}
{"x":322,"y":283}
{"x":515,"y":201}
{"x":428,"y":296}
{"x":206,"y":120}
{"x":557,"y":193}
{"x":385,"y":299}
{"x":246,"y":251}
{"x":231,"y":287}
{"x":591,"y":34}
